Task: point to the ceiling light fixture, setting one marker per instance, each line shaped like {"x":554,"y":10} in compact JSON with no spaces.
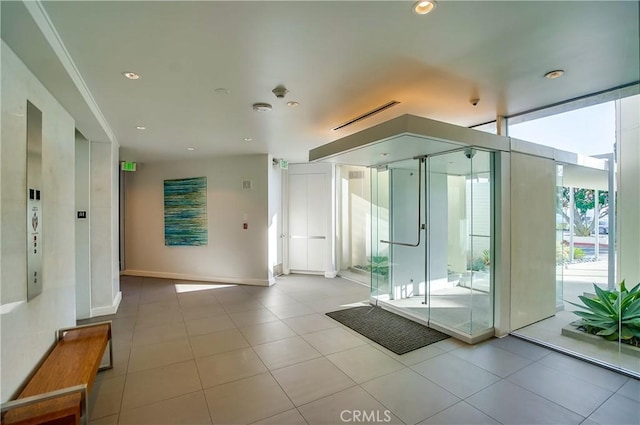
{"x":383,"y":154}
{"x":131,"y":75}
{"x":191,"y":149}
{"x":222,"y":90}
{"x":141,"y":127}
{"x":261,"y":107}
{"x":248,"y":139}
{"x":552,"y":75}
{"x":423,"y":7}
{"x":292,"y":103}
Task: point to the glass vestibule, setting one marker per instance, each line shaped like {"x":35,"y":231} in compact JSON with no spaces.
{"x":432,"y":238}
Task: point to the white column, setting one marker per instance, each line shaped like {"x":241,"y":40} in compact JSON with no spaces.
{"x":596,"y":219}
{"x":628,"y":208}
{"x":105,"y":295}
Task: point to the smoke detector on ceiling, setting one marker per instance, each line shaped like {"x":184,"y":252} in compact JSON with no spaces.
{"x":280,"y":91}
{"x":262,"y":107}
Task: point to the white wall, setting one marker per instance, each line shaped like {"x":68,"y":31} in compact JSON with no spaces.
{"x":629,"y":190}
{"x":83,"y":228}
{"x":105,"y":276}
{"x":28,"y":329}
{"x":275,"y":218}
{"x":533,"y":263}
{"x":233,"y":255}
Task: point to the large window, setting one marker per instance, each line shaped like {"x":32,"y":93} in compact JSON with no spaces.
{"x":590,"y":130}
{"x":594,"y":237}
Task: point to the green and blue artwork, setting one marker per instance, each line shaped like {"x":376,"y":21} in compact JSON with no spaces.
{"x":185,"y":212}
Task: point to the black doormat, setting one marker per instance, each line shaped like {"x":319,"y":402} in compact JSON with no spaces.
{"x":393,"y":332}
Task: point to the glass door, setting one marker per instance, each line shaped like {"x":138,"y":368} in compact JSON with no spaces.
{"x":432,"y":221}
{"x":397,"y":259}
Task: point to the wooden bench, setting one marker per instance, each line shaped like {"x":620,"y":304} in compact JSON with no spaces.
{"x":58,"y":390}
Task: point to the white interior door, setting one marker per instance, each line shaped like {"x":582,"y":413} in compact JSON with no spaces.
{"x":298,"y":222}
{"x":307,"y":222}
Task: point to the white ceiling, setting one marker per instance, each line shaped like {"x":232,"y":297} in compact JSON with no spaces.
{"x":338,"y":59}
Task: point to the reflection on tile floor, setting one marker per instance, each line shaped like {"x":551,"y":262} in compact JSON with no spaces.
{"x":189,"y":353}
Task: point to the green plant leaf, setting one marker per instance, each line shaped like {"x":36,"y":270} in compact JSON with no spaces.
{"x":632,"y":310}
{"x":635,"y":289}
{"x":632,"y":322}
{"x":608,"y":331}
{"x":625,"y":333}
{"x":597,"y":306}
{"x":604,"y":298}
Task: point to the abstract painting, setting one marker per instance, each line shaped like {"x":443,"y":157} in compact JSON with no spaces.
{"x":185,"y":212}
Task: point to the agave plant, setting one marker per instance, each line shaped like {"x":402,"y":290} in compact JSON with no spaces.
{"x":612,"y":314}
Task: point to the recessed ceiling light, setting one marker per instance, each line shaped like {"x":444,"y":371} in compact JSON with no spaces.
{"x":423,"y":7}
{"x":383,"y":154}
{"x":248,"y":139}
{"x":131,"y":75}
{"x":191,"y":149}
{"x":222,"y":90}
{"x":292,"y":103}
{"x":552,"y":75}
{"x":141,"y":127}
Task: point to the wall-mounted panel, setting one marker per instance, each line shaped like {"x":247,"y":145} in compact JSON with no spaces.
{"x":34,"y":201}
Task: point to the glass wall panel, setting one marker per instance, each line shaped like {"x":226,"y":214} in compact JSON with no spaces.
{"x":591,"y":230}
{"x":355,"y":223}
{"x":590,"y":130}
{"x":562,"y":252}
{"x":380,"y":263}
{"x":460,"y":246}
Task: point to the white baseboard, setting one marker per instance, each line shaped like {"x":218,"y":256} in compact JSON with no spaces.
{"x":111,"y":309}
{"x":199,"y":278}
{"x":331,"y":275}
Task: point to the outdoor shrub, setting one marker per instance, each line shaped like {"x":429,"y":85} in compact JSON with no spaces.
{"x":486,"y":257}
{"x":578,"y":253}
{"x":612,"y":314}
{"x":476,"y":265}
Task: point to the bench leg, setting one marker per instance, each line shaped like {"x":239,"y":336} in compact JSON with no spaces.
{"x":27,"y":401}
{"x":110,"y":365}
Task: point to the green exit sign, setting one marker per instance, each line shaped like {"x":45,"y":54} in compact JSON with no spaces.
{"x":128,"y":166}
{"x":284,"y":164}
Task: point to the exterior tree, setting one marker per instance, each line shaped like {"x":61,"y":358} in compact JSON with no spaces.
{"x":583,"y":201}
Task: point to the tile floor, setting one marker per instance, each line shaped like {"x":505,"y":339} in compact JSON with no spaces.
{"x":189,"y":353}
